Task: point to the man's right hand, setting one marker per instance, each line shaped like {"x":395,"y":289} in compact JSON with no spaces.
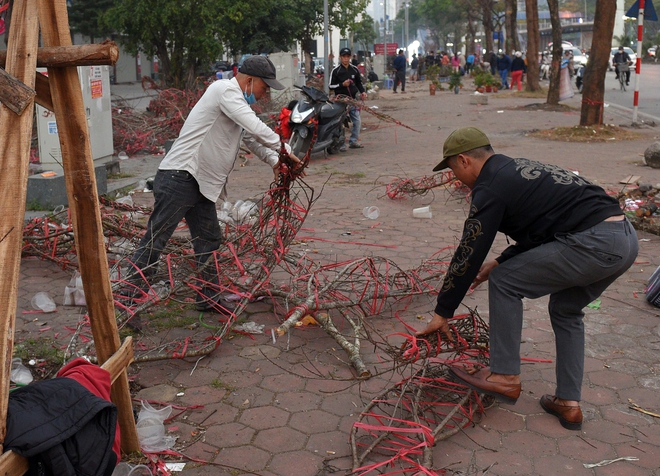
{"x":438,"y":323}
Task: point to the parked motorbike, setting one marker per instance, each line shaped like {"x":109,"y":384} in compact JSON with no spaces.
{"x":317,"y":123}
{"x":579,"y":78}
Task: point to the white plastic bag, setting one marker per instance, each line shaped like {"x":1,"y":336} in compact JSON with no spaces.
{"x":74,"y":294}
{"x":125,"y":469}
{"x":151,"y":429}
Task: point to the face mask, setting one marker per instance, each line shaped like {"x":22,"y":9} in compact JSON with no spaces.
{"x":249,"y":98}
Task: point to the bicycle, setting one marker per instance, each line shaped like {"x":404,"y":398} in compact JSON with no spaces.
{"x":623,"y":68}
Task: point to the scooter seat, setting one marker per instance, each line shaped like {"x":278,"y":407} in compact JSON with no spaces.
{"x":329,"y":111}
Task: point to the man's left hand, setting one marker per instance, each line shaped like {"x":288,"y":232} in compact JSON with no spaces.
{"x":295,"y":166}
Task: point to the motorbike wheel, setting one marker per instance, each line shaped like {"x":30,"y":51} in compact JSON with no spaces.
{"x":300,"y":146}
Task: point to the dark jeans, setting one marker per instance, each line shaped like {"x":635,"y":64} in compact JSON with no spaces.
{"x":177,"y":197}
{"x":400,"y":77}
{"x":574,"y":270}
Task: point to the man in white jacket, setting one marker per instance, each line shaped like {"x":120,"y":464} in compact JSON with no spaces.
{"x":193,"y":175}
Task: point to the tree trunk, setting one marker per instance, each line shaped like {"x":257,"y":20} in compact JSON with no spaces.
{"x":555,"y":66}
{"x":593,"y":89}
{"x":533,"y":45}
{"x":488,"y":24}
{"x":511,"y":13}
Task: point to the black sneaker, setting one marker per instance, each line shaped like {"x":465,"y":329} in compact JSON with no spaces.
{"x":216,"y":303}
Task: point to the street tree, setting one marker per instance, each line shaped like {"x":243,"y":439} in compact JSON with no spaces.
{"x":555,"y":66}
{"x":85,"y":15}
{"x":342,"y":14}
{"x":593,"y":89}
{"x":183,"y":34}
{"x":511,"y":21}
{"x":364,"y":33}
{"x":533,"y":44}
{"x":270,"y":27}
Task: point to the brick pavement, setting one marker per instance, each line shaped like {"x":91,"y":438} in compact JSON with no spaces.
{"x":266,"y":411}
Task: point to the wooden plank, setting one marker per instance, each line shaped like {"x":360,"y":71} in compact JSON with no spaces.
{"x":42,"y":86}
{"x":12,"y":464}
{"x":14,"y":94}
{"x":15,"y":136}
{"x":81,"y":191}
{"x":120,"y":360}
{"x":97,"y":54}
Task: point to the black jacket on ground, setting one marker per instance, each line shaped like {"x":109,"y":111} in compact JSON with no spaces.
{"x":527,"y":200}
{"x":62,"y":428}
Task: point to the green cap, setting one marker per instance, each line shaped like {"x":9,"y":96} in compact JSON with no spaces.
{"x":459,"y":141}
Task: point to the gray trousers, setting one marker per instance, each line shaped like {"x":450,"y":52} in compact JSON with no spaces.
{"x":574,"y":270}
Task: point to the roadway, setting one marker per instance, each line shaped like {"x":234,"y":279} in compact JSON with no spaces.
{"x":649,"y":93}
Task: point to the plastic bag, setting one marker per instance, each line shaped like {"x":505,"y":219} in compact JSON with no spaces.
{"x":74,"y":294}
{"x":125,"y":469}
{"x":151,"y":429}
{"x":42,"y":301}
{"x":20,"y":374}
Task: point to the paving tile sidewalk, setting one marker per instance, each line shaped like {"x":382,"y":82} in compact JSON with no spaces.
{"x":266,"y":411}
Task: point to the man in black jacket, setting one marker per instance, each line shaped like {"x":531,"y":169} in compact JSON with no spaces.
{"x":345,"y":79}
{"x":621,"y":57}
{"x":572,"y":242}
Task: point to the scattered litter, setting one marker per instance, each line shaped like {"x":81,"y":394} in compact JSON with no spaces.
{"x":250,"y":327}
{"x":371,"y":212}
{"x":125,"y":469}
{"x":74,"y":294}
{"x":122,"y":155}
{"x":272,"y":333}
{"x":373,"y":107}
{"x":308,"y":320}
{"x":605,"y":462}
{"x":180,"y":394}
{"x":127,"y":200}
{"x":20,"y":374}
{"x":176,"y":467}
{"x":346,"y":234}
{"x":594,"y":305}
{"x":422,"y":212}
{"x":43,"y":302}
{"x":500,"y":112}
{"x":630,"y":179}
{"x":151,"y":430}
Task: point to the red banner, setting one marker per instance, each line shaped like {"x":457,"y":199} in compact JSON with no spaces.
{"x":381,"y":48}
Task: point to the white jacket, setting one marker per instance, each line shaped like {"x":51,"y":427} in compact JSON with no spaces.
{"x":210,"y":139}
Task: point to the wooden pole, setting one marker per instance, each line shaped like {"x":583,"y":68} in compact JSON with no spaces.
{"x":106,"y":53}
{"x":15,"y":136}
{"x":14,"y":94}
{"x":81,"y":191}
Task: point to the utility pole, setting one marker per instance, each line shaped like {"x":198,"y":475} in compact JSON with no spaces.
{"x":407,"y":38}
{"x":326,"y":50}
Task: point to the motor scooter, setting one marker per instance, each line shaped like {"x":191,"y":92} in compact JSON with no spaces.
{"x":579,"y":78}
{"x":317,"y":123}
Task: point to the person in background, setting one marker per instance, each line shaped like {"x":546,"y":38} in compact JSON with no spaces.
{"x":621,"y":57}
{"x":469,"y":63}
{"x":413,"y":68}
{"x":455,"y":63}
{"x":517,"y":69}
{"x":355,"y":61}
{"x":345,"y":79}
{"x":399,"y":67}
{"x":503,"y":67}
{"x":571,"y":242}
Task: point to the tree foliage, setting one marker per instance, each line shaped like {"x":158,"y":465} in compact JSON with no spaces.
{"x":364,"y":34}
{"x":85,"y":15}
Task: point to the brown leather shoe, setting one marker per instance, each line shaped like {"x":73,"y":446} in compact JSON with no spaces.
{"x":569,"y":417}
{"x":506,"y":392}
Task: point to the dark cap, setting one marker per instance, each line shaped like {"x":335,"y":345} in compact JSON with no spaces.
{"x":261,"y":67}
{"x":345,"y":52}
{"x":621,"y":48}
{"x":460,"y":141}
